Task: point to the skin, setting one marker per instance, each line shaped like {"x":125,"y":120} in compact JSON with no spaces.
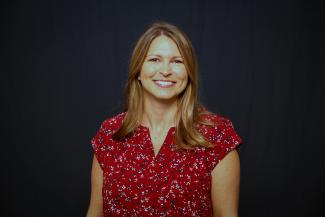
{"x":96,"y":200}
{"x":225,"y":186}
{"x":164,"y":62}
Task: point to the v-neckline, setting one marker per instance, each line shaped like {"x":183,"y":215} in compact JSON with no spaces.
{"x":151,"y":143}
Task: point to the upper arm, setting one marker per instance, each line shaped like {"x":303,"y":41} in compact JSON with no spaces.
{"x":225,"y":186}
{"x":96,"y":200}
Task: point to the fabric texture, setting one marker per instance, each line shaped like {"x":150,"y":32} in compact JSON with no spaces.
{"x":175,"y":182}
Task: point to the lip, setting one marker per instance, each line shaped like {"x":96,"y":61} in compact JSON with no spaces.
{"x":165,"y":85}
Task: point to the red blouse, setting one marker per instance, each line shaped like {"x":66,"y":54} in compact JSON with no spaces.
{"x":176,"y":182}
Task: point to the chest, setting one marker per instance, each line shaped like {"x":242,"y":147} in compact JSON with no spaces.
{"x":136,"y":177}
{"x":157,"y":140}
{"x":137,"y":161}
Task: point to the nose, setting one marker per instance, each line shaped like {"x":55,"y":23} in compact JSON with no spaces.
{"x":165,"y":69}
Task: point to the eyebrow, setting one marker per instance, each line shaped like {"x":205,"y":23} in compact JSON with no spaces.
{"x":160,"y":56}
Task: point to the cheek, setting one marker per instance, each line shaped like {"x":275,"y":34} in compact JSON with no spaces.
{"x":148,"y":70}
{"x":185,"y":82}
{"x":181,"y":73}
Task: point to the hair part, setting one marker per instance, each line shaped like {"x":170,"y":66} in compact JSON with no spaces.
{"x":189,"y":111}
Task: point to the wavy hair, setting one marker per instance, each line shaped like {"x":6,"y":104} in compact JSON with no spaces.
{"x":190,"y":112}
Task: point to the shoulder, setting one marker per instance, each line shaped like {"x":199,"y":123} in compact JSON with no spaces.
{"x":215,"y":123}
{"x":107,"y":128}
{"x":222,"y":135}
{"x":219,"y":132}
{"x":111,"y":124}
{"x":103,"y":144}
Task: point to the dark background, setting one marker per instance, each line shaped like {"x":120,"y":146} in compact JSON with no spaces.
{"x":65,"y":66}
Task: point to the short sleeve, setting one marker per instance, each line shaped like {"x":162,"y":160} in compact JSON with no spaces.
{"x":102,"y":144}
{"x":225,"y":139}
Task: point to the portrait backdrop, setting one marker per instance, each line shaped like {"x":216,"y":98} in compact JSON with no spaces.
{"x":65,"y":66}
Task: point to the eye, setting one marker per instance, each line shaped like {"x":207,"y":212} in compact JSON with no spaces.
{"x":153,"y":60}
{"x":178,"y":61}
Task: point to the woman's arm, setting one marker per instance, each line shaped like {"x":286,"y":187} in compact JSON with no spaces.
{"x":96,"y":200}
{"x":225,"y":186}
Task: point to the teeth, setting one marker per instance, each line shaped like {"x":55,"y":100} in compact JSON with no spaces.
{"x":164,"y":83}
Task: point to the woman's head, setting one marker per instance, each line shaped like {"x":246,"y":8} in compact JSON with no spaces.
{"x":140,"y":62}
{"x":179,"y":66}
{"x":163,"y":75}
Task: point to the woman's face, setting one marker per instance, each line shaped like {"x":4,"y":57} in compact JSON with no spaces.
{"x":163,"y":74}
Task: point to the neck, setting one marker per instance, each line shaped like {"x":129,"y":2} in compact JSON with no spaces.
{"x":158,"y":114}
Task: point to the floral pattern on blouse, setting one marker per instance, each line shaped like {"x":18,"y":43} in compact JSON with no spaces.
{"x":175,"y":182}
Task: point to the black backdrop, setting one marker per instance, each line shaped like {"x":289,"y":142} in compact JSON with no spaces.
{"x":261,"y":65}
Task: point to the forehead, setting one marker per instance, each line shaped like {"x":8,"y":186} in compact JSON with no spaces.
{"x":163,"y":45}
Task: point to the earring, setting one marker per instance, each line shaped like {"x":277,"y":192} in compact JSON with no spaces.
{"x":139,"y":78}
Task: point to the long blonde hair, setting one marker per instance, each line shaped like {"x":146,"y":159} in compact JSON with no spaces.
{"x":189,"y":110}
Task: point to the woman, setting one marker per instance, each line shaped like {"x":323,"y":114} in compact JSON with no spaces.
{"x":162,"y":155}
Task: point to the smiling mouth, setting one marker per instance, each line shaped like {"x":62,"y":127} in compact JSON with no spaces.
{"x":162,"y":83}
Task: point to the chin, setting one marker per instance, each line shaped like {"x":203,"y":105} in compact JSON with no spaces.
{"x":165,"y":97}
